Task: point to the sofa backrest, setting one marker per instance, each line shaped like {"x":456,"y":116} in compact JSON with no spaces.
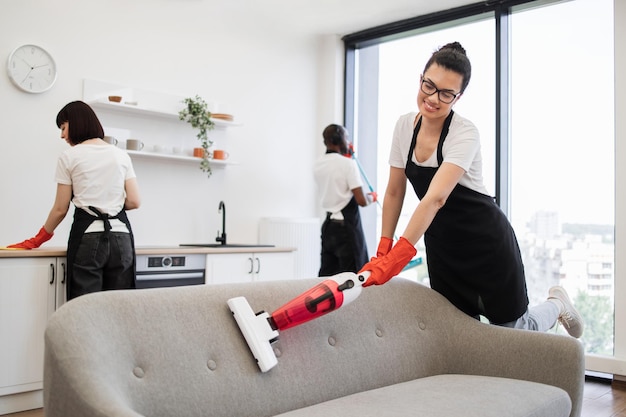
{"x":179,"y":351}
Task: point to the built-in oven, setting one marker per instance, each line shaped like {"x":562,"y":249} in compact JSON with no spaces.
{"x":170,"y":270}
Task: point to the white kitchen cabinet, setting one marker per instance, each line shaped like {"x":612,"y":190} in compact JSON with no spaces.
{"x":249,"y":267}
{"x":27,"y":299}
{"x":276,"y":266}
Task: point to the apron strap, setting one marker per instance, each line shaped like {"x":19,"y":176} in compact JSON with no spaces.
{"x":105,"y":219}
{"x":413,"y":141}
{"x":442,"y":138}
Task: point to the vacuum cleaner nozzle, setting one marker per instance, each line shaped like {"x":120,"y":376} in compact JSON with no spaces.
{"x":257,"y":331}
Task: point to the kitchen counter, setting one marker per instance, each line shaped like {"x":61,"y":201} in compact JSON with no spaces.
{"x":147,"y":250}
{"x":55,"y":251}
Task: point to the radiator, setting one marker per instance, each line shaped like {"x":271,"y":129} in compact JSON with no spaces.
{"x":300,"y":233}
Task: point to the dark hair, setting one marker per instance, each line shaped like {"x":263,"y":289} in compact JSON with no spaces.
{"x":83,"y":122}
{"x":452,"y":57}
{"x":334,"y":134}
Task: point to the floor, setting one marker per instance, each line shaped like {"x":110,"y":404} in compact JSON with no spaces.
{"x":601,"y":399}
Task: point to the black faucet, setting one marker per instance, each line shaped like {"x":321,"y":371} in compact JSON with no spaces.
{"x":222,"y":239}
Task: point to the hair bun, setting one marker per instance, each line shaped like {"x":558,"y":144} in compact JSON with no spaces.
{"x":455,"y":46}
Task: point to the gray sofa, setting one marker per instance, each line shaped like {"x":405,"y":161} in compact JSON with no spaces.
{"x":398,"y":350}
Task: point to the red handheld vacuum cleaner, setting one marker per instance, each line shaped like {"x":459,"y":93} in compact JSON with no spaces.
{"x":261,"y":330}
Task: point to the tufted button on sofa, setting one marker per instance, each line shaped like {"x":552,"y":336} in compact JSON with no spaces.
{"x":400,"y":349}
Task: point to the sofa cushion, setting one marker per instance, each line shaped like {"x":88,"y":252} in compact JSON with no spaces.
{"x":449,"y":395}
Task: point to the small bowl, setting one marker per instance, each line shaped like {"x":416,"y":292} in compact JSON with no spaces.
{"x":115,"y":99}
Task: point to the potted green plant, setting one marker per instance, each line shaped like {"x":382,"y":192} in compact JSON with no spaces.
{"x":197,"y":114}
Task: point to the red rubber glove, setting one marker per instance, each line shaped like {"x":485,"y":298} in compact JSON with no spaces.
{"x":390,"y":265}
{"x":33,"y":242}
{"x":384,"y":246}
{"x":350,"y":152}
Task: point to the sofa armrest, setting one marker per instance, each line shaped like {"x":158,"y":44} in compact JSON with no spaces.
{"x":519,"y":354}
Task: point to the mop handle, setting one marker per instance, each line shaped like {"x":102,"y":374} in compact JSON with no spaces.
{"x":358,"y":163}
{"x":369,"y":184}
{"x":363,"y":173}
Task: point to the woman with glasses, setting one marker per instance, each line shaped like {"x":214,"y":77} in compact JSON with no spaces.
{"x":472,"y":253}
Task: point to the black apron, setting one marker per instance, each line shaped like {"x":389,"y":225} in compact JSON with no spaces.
{"x":352,"y":220}
{"x":472,"y":253}
{"x":344,"y":239}
{"x":82,"y":220}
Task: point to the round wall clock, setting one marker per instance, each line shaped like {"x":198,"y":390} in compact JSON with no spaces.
{"x":32,"y":69}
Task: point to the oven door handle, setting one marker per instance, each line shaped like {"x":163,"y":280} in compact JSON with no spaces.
{"x":169,"y":275}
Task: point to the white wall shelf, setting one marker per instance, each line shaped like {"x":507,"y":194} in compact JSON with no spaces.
{"x":147,"y":104}
{"x":105,"y":104}
{"x":215,"y":163}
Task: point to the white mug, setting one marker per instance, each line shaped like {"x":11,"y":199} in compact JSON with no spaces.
{"x":110,"y":139}
{"x":134,"y":144}
{"x":160,"y":148}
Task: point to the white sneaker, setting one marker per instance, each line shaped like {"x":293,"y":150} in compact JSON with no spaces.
{"x":569,"y":316}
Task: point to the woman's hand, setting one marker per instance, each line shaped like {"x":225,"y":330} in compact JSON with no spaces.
{"x":384,"y":268}
{"x":34,"y":242}
{"x":384,"y":246}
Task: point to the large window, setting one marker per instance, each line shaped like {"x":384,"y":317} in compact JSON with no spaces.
{"x":541,"y":95}
{"x":562,"y":156}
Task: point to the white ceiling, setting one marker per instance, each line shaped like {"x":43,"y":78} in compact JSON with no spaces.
{"x":339,"y":17}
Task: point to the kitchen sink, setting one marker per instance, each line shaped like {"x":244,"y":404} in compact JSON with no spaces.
{"x":225,"y":246}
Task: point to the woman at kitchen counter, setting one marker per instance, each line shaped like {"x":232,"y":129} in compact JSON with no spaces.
{"x":472,"y":252}
{"x":100,"y":180}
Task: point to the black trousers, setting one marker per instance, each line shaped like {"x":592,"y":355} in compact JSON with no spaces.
{"x":102,"y":263}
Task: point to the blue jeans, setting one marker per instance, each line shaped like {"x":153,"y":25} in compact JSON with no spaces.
{"x":540,"y":318}
{"x":102,"y":263}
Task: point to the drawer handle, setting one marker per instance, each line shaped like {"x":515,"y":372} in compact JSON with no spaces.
{"x":52,"y":273}
{"x":64,"y":273}
{"x":258,"y":265}
{"x":251,"y":266}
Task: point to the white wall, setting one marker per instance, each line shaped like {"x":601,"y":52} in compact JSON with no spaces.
{"x":282,"y":86}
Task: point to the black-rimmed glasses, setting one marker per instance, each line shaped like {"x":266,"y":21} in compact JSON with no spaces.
{"x":445,"y":96}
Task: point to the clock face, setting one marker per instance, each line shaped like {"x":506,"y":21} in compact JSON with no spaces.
{"x":32,"y":69}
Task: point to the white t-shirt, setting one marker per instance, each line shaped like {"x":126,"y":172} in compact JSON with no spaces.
{"x":461,"y":148}
{"x":97,"y":174}
{"x":336,"y":176}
